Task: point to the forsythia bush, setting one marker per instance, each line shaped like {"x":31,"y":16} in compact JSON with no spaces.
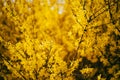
{"x":59,"y":39}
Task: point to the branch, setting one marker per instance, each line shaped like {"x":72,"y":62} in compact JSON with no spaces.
{"x":104,"y":24}
{"x":13,"y":67}
{"x":99,"y":12}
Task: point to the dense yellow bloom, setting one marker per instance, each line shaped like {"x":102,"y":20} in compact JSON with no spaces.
{"x":88,"y":72}
{"x":59,"y":39}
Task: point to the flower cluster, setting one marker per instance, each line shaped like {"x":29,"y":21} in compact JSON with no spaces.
{"x":59,"y":40}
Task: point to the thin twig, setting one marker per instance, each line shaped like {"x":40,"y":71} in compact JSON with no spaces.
{"x":99,"y":12}
{"x":13,"y":67}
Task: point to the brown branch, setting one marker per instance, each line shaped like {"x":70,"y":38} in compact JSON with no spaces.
{"x":4,"y":58}
{"x":99,"y":12}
